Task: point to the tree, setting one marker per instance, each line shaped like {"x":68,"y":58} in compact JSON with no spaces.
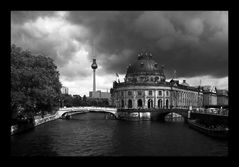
{"x":35,"y":84}
{"x":84,"y":98}
{"x":68,"y":100}
{"x":76,"y":100}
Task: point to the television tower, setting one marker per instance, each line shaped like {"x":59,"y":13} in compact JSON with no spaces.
{"x":94,"y":67}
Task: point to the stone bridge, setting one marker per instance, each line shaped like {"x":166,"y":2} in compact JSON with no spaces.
{"x":159,"y":114}
{"x":77,"y":110}
{"x":150,"y":114}
{"x":156,"y":114}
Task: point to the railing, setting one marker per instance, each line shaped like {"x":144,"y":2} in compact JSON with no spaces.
{"x":77,"y":109}
{"x":88,"y":107}
{"x":152,"y":110}
{"x":216,"y":111}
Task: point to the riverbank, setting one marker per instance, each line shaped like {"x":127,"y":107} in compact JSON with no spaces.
{"x":38,"y":120}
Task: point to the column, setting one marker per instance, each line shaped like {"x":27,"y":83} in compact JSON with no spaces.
{"x":155,"y":99}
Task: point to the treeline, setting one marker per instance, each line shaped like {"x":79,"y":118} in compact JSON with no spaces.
{"x":36,"y":89}
{"x":77,"y":100}
{"x":35,"y":85}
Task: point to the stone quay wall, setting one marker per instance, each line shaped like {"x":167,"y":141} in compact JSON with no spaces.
{"x":37,"y":121}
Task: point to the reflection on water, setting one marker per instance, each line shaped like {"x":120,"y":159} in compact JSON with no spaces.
{"x":91,"y":134}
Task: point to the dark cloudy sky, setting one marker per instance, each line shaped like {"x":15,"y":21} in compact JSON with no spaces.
{"x":194,"y":43}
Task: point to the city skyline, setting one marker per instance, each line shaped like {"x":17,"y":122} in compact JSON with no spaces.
{"x":195,"y":44}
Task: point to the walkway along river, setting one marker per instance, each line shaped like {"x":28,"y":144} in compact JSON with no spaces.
{"x":91,"y":134}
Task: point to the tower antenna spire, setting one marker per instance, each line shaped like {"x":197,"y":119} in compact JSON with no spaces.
{"x":93,"y":49}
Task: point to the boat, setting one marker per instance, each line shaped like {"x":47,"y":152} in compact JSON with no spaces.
{"x":217,"y":133}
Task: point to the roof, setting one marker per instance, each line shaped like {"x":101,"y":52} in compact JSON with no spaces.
{"x":145,"y":65}
{"x":209,"y":88}
{"x":185,"y":83}
{"x":222,"y":92}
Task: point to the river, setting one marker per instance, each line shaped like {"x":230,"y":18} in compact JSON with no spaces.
{"x":90,"y":134}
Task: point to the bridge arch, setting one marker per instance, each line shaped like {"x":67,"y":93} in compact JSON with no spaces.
{"x":164,"y":112}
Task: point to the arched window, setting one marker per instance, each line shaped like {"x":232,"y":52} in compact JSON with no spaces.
{"x":129,"y":103}
{"x":167,"y":105}
{"x":122,"y":103}
{"x":160,"y":103}
{"x":140,"y":103}
{"x":150,"y":103}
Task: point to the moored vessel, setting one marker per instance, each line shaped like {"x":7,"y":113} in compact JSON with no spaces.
{"x":217,"y":132}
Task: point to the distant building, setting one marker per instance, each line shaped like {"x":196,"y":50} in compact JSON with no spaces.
{"x":222,"y":97}
{"x":209,"y":96}
{"x":64,"y":90}
{"x":99,"y":94}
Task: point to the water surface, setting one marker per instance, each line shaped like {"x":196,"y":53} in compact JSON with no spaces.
{"x":91,"y":134}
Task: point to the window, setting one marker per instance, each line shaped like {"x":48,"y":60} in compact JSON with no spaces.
{"x":160,"y":103}
{"x":141,"y":64}
{"x":129,"y":103}
{"x":150,"y":103}
{"x":140,"y":103}
{"x":139,"y":93}
{"x":167,"y":93}
{"x":122,"y":103}
{"x":129,"y":93}
{"x":167,"y":103}
{"x":122,"y":93}
{"x":160,"y":93}
{"x":150,"y":92}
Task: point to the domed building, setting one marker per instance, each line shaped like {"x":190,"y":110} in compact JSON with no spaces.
{"x":145,"y":88}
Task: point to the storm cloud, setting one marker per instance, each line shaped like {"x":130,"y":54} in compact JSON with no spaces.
{"x":194,"y":43}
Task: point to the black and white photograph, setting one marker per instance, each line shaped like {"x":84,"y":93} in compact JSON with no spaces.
{"x":119,"y":83}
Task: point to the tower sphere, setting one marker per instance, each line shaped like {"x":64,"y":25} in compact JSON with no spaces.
{"x":94,"y":65}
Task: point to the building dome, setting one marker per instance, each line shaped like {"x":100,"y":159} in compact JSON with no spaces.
{"x":145,"y":65}
{"x":145,"y":69}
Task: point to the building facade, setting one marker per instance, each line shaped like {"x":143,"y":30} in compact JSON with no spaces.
{"x":145,"y":87}
{"x":99,"y":94}
{"x":209,"y":96}
{"x":64,"y":90}
{"x":222,"y":97}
